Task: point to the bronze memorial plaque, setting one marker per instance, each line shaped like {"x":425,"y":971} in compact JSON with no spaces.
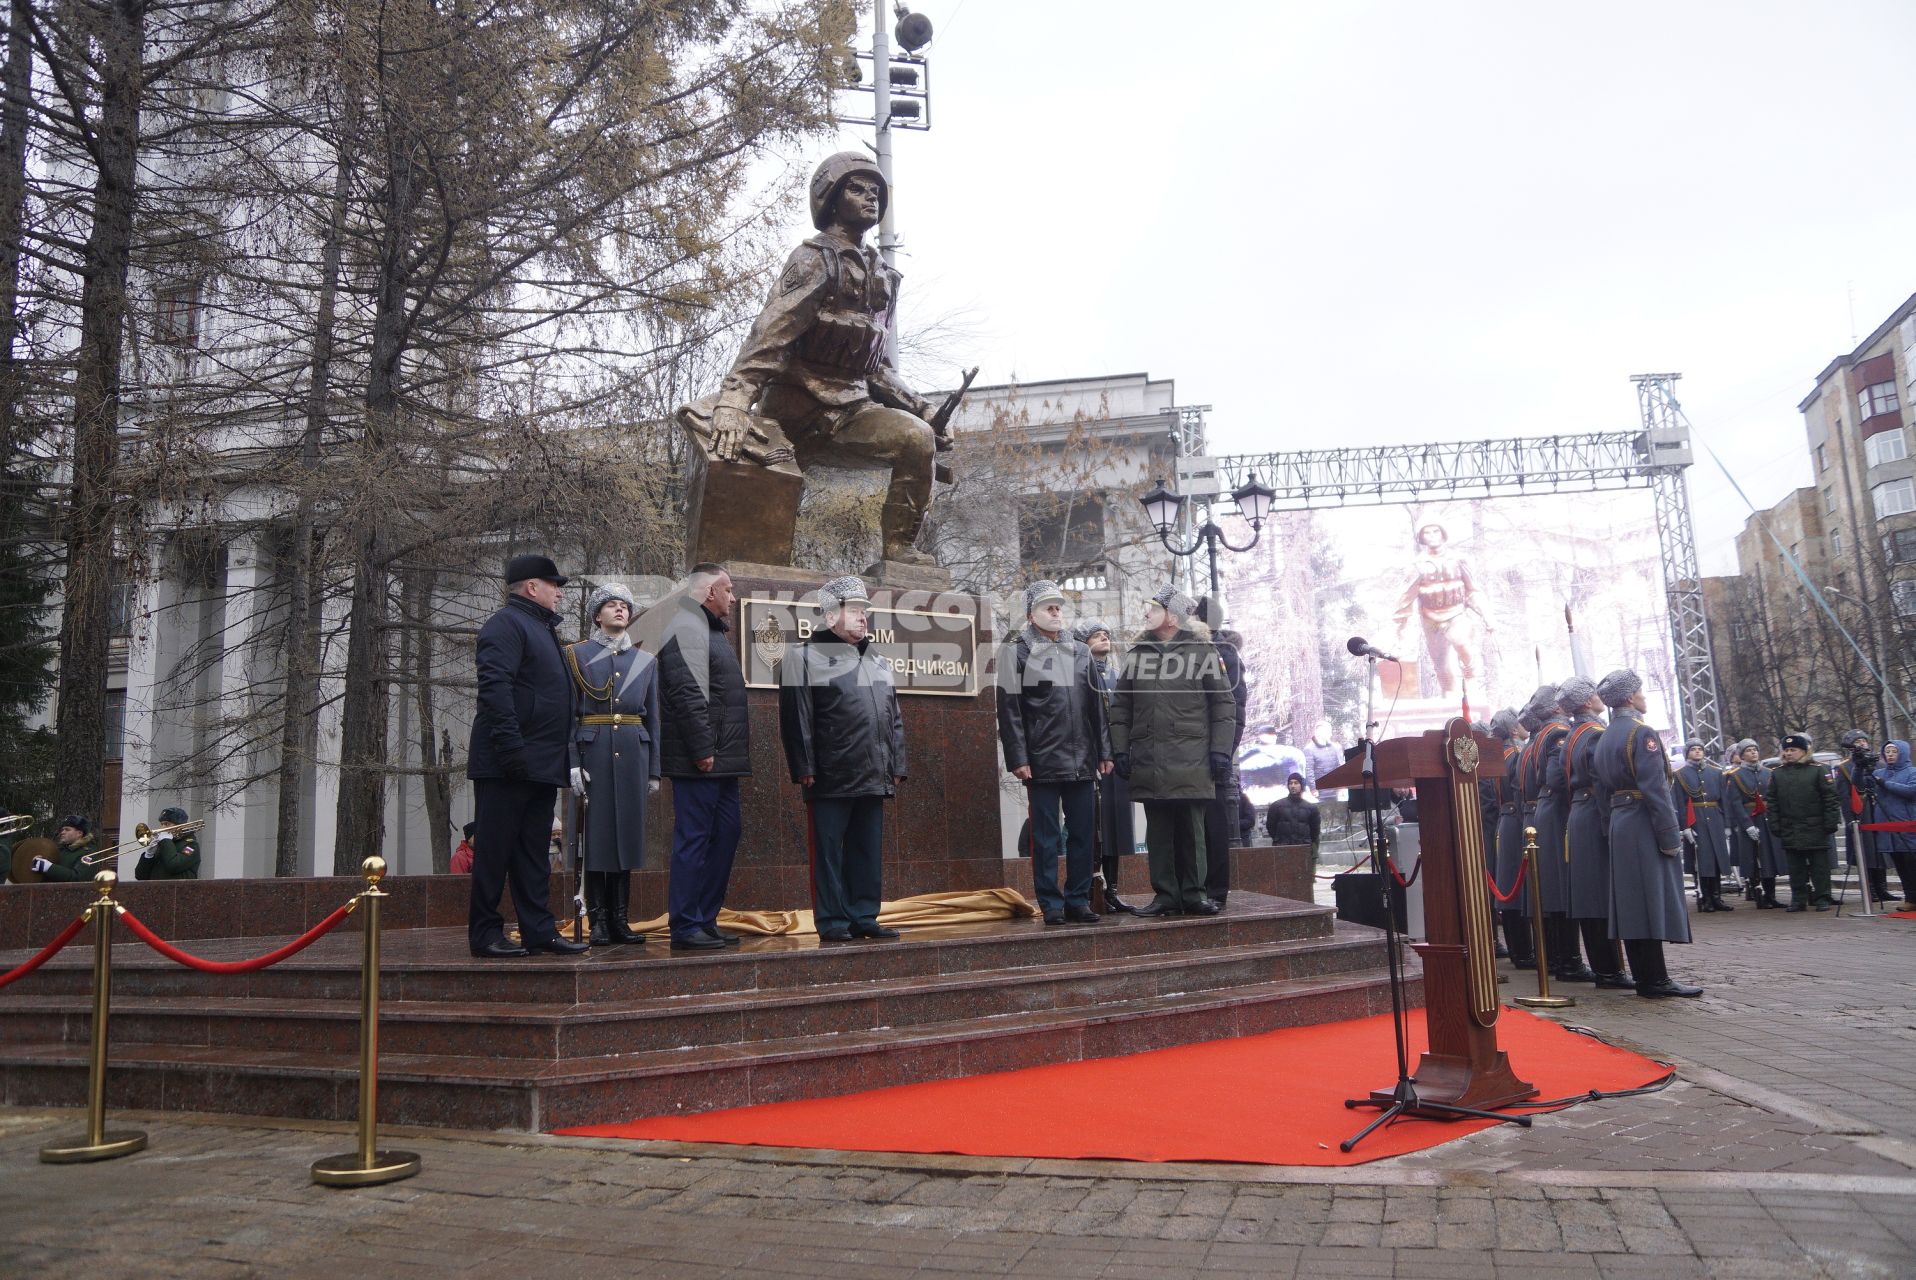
{"x":930,"y":651}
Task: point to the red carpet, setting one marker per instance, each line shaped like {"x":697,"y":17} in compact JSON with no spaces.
{"x":1901,"y":915}
{"x":1286,"y":1089}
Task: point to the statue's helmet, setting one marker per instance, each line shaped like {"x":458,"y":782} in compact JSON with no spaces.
{"x":1443,"y":534}
{"x":832,"y":172}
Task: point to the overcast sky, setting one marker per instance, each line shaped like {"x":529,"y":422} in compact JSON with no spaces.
{"x":1347,"y":222}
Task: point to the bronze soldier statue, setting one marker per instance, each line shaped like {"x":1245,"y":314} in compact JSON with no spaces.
{"x":814,"y":381}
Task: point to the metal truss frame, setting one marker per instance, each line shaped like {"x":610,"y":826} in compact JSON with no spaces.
{"x":1655,"y":458}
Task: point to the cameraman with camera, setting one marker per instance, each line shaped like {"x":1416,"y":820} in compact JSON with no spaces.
{"x":1855,"y":779}
{"x":1896,"y":802}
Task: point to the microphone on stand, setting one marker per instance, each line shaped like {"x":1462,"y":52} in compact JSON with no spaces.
{"x":1362,"y":648}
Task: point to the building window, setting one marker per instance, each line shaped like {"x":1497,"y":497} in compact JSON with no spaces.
{"x":1896,"y":498}
{"x":1885,"y":446}
{"x":115,"y":723}
{"x":176,"y":315}
{"x":1822,"y":458}
{"x":1900,"y":546}
{"x":1829,"y":501}
{"x":1904,"y":595}
{"x":120,"y":600}
{"x":1064,"y":536}
{"x":1877,"y":399}
{"x":1836,"y":542}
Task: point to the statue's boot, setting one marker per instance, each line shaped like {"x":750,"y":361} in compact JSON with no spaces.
{"x":899,"y":524}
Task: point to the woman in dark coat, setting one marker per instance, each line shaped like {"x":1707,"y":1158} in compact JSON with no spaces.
{"x":1117,"y":836}
{"x":1896,"y":802}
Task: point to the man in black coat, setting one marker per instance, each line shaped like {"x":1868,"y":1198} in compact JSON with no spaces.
{"x":1293,"y":820}
{"x":1051,"y":722}
{"x":1220,"y":816}
{"x":707,"y":750}
{"x":519,"y":757}
{"x":845,"y":745}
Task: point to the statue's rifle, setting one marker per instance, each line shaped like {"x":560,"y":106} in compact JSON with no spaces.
{"x":941,"y":420}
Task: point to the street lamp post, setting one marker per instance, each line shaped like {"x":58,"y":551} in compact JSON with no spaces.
{"x":1163,"y":507}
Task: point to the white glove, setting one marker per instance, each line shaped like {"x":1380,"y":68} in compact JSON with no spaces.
{"x":1752,"y":833}
{"x":41,"y":864}
{"x":1689,"y":838}
{"x":149,"y":853}
{"x":579,"y":778}
{"x":654,"y":788}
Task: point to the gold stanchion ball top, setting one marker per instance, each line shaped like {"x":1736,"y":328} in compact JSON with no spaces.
{"x":103,"y":882}
{"x":1530,"y":833}
{"x":374,"y":869}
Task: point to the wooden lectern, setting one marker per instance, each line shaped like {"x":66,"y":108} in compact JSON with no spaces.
{"x":1463,"y":1066}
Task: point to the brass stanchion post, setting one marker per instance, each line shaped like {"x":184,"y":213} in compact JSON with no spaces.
{"x":98,"y":1144}
{"x":1543,"y":999}
{"x":368,"y":1166}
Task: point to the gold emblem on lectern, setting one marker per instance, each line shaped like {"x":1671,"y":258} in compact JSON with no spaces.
{"x":1464,"y":752}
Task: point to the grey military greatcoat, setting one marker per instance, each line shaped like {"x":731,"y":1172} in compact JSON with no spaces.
{"x":1699,"y":795}
{"x":1543,"y":787}
{"x":618,"y":741}
{"x":1510,"y":842}
{"x":1743,"y":789}
{"x":1646,"y":847}
{"x":1587,"y":834}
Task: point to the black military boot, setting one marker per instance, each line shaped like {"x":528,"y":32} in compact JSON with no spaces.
{"x":1766,"y":897}
{"x":618,"y":886}
{"x":1517,"y":938}
{"x":596,"y":910}
{"x":1706,"y":893}
{"x":1879,"y":884}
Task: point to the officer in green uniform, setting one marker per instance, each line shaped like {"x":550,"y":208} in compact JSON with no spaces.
{"x":815,"y":363}
{"x":76,"y":841}
{"x":171,"y":856}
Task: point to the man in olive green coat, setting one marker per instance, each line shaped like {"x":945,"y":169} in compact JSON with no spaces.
{"x":171,"y":856}
{"x":1801,"y":802}
{"x":1172,"y":720}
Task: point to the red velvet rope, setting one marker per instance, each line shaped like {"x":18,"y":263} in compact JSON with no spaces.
{"x":178,"y":956}
{"x":1887,"y":826}
{"x":52,"y":949}
{"x":1515,"y":889}
{"x":1398,"y":876}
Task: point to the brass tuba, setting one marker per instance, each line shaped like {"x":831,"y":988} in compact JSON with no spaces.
{"x":13,"y":824}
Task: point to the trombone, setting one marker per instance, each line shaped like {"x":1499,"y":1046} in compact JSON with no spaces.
{"x":143,"y":836}
{"x":13,"y":824}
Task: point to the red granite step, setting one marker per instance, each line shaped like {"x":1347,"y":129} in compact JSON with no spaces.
{"x":432,"y":964}
{"x":676,"y":1022}
{"x":517,"y":1094}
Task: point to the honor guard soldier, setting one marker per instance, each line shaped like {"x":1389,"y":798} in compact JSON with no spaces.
{"x":1801,"y":804}
{"x":75,"y":840}
{"x":173,"y":855}
{"x":1646,"y":849}
{"x":519,"y":757}
{"x":1515,"y":914}
{"x":618,"y":757}
{"x":1587,"y":831}
{"x":1550,"y":814}
{"x":1701,"y":786}
{"x":844,"y":741}
{"x":1758,"y":855}
{"x":1056,"y":740}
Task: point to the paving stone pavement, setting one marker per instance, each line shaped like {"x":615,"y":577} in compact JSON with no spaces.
{"x":1783,"y":1150}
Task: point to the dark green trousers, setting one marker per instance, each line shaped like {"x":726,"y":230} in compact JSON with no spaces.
{"x":1810,"y":875}
{"x":1174,"y":846}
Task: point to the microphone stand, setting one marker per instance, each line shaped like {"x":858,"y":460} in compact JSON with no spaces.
{"x":1402,"y":1100}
